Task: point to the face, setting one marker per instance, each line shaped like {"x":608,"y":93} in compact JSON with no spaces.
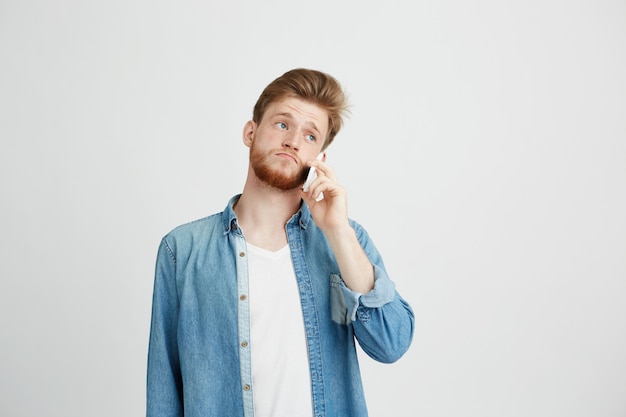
{"x":291,"y":132}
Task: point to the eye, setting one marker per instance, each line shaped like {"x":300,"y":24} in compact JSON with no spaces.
{"x":281,"y":125}
{"x":311,"y":138}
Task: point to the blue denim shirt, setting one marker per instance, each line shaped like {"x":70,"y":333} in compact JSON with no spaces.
{"x":199,"y":356}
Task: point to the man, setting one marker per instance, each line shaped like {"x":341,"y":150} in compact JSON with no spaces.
{"x":256,"y":309}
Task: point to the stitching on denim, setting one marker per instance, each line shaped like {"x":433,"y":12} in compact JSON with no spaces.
{"x":322,"y":391}
{"x":364,"y":314}
{"x":197,"y":220}
{"x":169,"y":250}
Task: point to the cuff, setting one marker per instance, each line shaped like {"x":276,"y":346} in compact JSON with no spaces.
{"x":384,"y":291}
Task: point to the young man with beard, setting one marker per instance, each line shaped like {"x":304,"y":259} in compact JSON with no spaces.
{"x":256,"y":309}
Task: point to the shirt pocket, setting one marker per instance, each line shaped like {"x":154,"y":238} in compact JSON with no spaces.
{"x":338,"y":308}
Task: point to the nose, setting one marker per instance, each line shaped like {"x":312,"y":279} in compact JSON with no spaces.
{"x":292,"y":139}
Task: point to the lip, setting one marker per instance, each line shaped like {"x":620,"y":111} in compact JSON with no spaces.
{"x":288,"y":156}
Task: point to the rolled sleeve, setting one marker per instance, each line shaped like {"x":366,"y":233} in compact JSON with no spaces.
{"x":384,"y":292}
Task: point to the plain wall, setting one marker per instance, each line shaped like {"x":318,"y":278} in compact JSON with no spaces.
{"x":485,"y":154}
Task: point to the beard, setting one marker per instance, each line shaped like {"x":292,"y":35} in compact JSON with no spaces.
{"x":273,"y":175}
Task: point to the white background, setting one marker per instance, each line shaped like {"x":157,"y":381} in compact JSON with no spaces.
{"x":485,"y":154}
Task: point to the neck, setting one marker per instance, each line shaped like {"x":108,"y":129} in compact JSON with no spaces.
{"x":262,"y":212}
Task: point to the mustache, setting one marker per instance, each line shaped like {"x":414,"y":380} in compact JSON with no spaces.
{"x":290,"y":153}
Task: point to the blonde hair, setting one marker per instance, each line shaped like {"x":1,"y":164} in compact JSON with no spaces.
{"x":311,"y":85}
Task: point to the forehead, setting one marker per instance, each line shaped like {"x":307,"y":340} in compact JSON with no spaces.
{"x":301,"y":110}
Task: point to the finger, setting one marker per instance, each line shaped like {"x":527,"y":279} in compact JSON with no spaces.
{"x":311,"y":197}
{"x":320,"y":185}
{"x":325,"y":170}
{"x":316,"y":192}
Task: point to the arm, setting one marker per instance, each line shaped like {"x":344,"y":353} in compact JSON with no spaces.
{"x":331,"y":215}
{"x":383,"y":322}
{"x":164,"y":382}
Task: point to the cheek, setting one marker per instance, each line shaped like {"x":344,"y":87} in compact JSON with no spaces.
{"x":267,"y":136}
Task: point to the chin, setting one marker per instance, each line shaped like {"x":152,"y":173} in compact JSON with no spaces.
{"x":279,"y":178}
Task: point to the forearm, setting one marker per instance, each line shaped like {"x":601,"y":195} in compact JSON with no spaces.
{"x":355,"y":267}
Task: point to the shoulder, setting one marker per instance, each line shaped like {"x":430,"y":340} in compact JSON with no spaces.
{"x":198,"y":234}
{"x":195,"y":226}
{"x":191,"y":233}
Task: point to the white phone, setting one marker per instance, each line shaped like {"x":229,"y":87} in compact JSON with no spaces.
{"x":312,"y":175}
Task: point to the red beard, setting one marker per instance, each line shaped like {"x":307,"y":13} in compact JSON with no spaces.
{"x":273,"y":175}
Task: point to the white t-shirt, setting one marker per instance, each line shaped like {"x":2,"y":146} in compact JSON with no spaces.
{"x":281,"y":381}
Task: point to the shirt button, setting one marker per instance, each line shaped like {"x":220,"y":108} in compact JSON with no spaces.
{"x":242,"y":254}
{"x":244,"y":344}
{"x":246,"y":387}
{"x":242,"y":297}
{"x":234,"y":226}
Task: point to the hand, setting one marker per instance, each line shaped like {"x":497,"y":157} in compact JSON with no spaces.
{"x":331,"y":215}
{"x":326,"y":199}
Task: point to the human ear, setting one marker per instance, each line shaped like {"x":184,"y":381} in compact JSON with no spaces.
{"x":248,"y":132}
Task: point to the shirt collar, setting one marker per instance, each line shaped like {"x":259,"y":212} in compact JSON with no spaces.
{"x":229,"y":218}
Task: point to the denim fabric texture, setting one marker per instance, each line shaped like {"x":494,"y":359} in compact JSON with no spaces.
{"x":199,"y":355}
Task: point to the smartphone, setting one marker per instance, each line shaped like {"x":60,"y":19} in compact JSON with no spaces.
{"x":312,"y":175}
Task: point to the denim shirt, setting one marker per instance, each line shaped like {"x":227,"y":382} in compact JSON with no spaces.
{"x":199,"y":356}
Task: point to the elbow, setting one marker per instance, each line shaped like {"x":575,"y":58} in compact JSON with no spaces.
{"x":390,"y":341}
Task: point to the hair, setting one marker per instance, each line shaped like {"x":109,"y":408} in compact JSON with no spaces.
{"x":314,"y":86}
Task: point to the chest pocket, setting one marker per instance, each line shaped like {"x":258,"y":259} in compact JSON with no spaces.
{"x":338,"y":309}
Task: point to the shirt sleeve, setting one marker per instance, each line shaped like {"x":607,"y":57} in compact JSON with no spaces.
{"x":384,"y":292}
{"x":164,"y":382}
{"x":383,"y":321}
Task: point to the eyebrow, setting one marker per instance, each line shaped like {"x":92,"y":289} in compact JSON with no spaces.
{"x":290,"y":116}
